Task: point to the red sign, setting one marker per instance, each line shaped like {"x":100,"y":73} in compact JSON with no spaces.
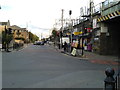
{"x":89,"y":29}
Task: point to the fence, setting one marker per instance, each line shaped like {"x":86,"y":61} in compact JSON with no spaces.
{"x":109,"y":3}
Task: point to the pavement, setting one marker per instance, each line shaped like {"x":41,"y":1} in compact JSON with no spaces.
{"x":17,"y":49}
{"x":93,"y":57}
{"x":102,"y":59}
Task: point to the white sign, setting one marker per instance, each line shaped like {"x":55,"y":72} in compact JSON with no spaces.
{"x":65,"y":39}
{"x":94,"y":23}
{"x":0,"y":46}
{"x":81,"y":11}
{"x":73,"y":52}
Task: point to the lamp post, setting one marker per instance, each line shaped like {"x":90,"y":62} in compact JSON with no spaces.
{"x":70,"y":13}
{"x":82,"y":53}
{"x":61,"y":29}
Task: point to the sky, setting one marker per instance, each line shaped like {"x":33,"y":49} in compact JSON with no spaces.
{"x":39,"y":16}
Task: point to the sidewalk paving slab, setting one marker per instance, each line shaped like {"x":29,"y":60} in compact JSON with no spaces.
{"x":94,"y":58}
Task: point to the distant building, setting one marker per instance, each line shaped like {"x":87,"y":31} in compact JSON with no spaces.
{"x":21,"y":35}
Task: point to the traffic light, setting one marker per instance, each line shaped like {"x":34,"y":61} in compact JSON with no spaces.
{"x":70,"y":12}
{"x":85,"y":30}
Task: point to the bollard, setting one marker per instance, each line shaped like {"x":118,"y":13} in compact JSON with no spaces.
{"x":109,"y":80}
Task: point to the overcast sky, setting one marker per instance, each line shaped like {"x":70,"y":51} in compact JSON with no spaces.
{"x":39,"y":15}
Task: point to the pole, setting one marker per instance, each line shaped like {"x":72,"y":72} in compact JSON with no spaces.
{"x":109,"y":81}
{"x":71,"y":28}
{"x":91,"y":10}
{"x":83,"y":23}
{"x":28,"y":32}
{"x":70,"y":12}
{"x":41,"y":36}
{"x":62,"y":27}
{"x":82,"y":38}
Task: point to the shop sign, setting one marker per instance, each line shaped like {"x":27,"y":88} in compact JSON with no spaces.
{"x":68,"y":33}
{"x":77,"y":33}
{"x":94,"y":23}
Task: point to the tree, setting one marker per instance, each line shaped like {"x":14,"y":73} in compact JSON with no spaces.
{"x":6,"y":39}
{"x":33,"y":37}
{"x":55,"y":37}
{"x":54,"y":33}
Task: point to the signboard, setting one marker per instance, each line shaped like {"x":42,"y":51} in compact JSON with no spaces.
{"x":73,"y":52}
{"x":65,"y":39}
{"x":68,"y":33}
{"x":81,"y":11}
{"x":77,"y":33}
{"x":94,"y":23}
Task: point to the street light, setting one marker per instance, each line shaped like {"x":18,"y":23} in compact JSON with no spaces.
{"x":61,"y":27}
{"x":70,"y":13}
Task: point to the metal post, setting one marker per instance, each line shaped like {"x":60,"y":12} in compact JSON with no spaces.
{"x":82,"y":53}
{"x":71,"y":35}
{"x":70,"y":12}
{"x":109,"y":80}
{"x":62,"y":28}
{"x":82,"y":46}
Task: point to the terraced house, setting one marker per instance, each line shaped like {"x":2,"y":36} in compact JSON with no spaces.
{"x":20,"y":35}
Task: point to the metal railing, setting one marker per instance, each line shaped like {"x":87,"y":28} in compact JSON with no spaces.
{"x":111,"y":81}
{"x":97,"y":8}
{"x":103,"y":5}
{"x":109,"y":3}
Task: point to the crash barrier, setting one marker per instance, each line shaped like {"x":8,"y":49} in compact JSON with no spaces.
{"x":111,"y":81}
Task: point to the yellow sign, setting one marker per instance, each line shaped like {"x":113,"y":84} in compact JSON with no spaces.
{"x":77,"y":33}
{"x":68,"y":33}
{"x":81,"y":32}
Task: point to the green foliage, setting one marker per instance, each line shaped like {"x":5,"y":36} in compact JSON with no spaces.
{"x":6,"y":38}
{"x":54,"y":33}
{"x":33,"y":37}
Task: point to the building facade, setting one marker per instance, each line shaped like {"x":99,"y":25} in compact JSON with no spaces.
{"x":99,"y":29}
{"x":20,"y":35}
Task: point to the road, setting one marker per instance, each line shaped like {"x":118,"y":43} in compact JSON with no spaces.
{"x":45,"y":67}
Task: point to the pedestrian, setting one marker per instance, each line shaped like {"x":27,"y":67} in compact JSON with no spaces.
{"x":65,"y":46}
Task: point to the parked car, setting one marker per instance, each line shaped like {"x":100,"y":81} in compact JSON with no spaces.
{"x":39,"y":43}
{"x":42,"y":43}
